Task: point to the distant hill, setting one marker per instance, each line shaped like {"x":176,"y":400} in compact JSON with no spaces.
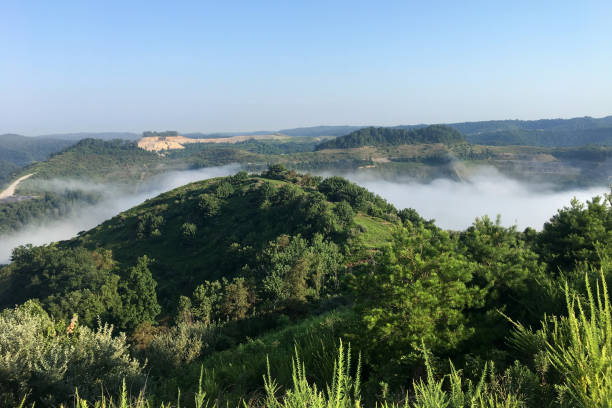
{"x":543,"y":132}
{"x":316,"y":131}
{"x":92,"y":135}
{"x":380,"y":136}
{"x":544,"y":137}
{"x":22,"y":150}
{"x":99,"y":160}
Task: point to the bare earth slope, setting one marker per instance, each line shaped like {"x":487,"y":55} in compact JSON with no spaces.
{"x":157,"y":143}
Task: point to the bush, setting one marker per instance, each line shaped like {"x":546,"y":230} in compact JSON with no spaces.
{"x":172,"y":348}
{"x":46,"y":360}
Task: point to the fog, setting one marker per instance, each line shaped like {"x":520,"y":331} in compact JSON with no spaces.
{"x":116,"y":200}
{"x":455,"y":205}
{"x":452,"y":204}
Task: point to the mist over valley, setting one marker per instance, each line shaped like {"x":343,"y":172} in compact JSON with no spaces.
{"x":452,"y":204}
{"x":455,"y":204}
{"x":115,"y":199}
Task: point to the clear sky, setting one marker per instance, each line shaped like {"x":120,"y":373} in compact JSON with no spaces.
{"x":232,"y":65}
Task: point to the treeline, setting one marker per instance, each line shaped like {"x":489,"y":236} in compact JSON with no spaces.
{"x":22,"y":150}
{"x":15,"y":215}
{"x":7,"y":169}
{"x":167,"y":133}
{"x":254,"y":268}
{"x":394,"y":136}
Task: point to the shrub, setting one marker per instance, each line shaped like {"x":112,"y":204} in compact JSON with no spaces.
{"x":46,"y":360}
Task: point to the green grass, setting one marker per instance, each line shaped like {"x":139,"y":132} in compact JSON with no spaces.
{"x":235,"y":374}
{"x":376,"y":232}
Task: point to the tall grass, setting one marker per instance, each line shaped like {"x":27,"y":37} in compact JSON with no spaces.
{"x":580,"y":348}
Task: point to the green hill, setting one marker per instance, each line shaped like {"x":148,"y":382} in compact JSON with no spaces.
{"x":22,"y":150}
{"x":394,"y":137}
{"x":97,"y":160}
{"x":211,"y":230}
{"x":90,"y":160}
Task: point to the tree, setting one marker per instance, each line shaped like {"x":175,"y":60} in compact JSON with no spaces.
{"x":576,"y":234}
{"x":209,"y":204}
{"x":509,"y":273}
{"x":139,"y":296}
{"x":415,"y":293}
{"x":189,"y":231}
{"x":149,"y":225}
{"x":66,"y":281}
{"x":224,"y":189}
{"x":345,"y":213}
{"x":237,"y":299}
{"x":294,"y":268}
{"x":276,"y":171}
{"x":207,"y":301}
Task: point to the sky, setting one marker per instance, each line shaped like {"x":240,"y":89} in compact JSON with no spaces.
{"x":261,"y":65}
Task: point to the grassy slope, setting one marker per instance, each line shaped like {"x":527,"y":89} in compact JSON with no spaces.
{"x":237,"y":372}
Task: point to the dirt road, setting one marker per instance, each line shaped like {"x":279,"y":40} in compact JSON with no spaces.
{"x":10,"y":190}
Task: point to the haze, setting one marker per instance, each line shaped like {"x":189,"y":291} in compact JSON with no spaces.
{"x":227,"y":66}
{"x":455,"y":205}
{"x":88,"y":216}
{"x":452,"y":204}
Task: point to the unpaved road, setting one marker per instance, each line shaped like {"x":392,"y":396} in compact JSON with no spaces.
{"x":10,"y":190}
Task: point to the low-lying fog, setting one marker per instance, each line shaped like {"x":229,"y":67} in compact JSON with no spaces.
{"x":89,"y":216}
{"x":452,"y":204}
{"x":455,"y":205}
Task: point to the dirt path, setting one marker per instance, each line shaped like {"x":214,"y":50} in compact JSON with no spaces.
{"x":10,"y":190}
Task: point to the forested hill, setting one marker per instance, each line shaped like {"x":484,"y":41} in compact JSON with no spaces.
{"x":100,"y":160}
{"x":205,"y":231}
{"x":380,"y":136}
{"x":22,"y":150}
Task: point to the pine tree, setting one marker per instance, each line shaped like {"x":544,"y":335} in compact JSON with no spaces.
{"x":139,"y":296}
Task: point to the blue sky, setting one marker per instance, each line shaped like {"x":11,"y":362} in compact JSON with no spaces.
{"x":232,"y":65}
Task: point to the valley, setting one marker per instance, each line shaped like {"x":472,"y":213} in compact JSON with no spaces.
{"x":218,"y":260}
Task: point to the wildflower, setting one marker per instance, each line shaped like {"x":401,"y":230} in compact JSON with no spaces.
{"x":73,"y":323}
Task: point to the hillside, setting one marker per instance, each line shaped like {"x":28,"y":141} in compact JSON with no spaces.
{"x":97,"y":160}
{"x":221,"y":228}
{"x":88,"y":162}
{"x":22,"y":150}
{"x":126,"y":166}
{"x":544,"y":132}
{"x":394,"y":137}
{"x":75,"y":137}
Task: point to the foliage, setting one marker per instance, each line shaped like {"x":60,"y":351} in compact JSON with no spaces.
{"x":66,"y":281}
{"x":47,"y":359}
{"x":579,"y":348}
{"x":372,"y":136}
{"x":139,"y":296}
{"x":416,"y":293}
{"x":18,"y":213}
{"x":290,"y":262}
{"x":577,"y":234}
{"x":293,"y":268}
{"x":22,"y":150}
